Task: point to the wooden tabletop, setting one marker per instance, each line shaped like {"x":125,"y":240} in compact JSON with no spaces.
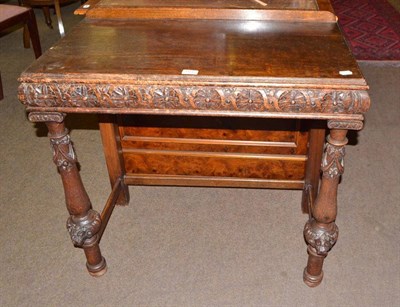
{"x":232,"y":51}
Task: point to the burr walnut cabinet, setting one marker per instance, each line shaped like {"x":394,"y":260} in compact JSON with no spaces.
{"x":203,"y":93}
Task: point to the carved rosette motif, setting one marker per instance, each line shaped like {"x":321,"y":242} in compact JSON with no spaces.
{"x":63,"y":152}
{"x":217,"y":98}
{"x":293,"y":101}
{"x":203,"y":99}
{"x":321,"y":238}
{"x":165,"y":98}
{"x":81,"y":229}
{"x":333,"y":161}
{"x":251,"y":100}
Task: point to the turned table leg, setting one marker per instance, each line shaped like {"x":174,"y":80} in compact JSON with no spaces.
{"x":320,"y":231}
{"x":84,"y":223}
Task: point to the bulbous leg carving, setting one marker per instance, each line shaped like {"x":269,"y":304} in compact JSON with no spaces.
{"x":83,"y":229}
{"x":321,"y":237}
{"x":321,"y":232}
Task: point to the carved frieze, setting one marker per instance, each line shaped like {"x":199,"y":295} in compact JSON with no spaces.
{"x":321,"y":238}
{"x":220,"y":98}
{"x":63,"y":152}
{"x":83,"y":228}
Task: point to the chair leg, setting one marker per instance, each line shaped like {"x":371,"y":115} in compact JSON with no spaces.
{"x":26,"y":37}
{"x":59,"y":19}
{"x":46,"y":12}
{"x":34,"y":34}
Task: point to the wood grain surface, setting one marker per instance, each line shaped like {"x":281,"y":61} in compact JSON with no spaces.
{"x":241,"y":51}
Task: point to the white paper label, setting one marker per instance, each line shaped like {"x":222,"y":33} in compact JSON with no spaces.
{"x":345,"y":72}
{"x":190,"y":72}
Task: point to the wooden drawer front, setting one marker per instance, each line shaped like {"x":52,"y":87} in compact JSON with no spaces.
{"x":213,"y":147}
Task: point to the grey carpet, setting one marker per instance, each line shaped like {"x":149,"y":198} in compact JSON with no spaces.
{"x":193,"y":246}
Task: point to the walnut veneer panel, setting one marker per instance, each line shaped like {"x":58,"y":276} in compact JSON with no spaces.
{"x":225,"y":151}
{"x":209,"y":134}
{"x":213,"y":165}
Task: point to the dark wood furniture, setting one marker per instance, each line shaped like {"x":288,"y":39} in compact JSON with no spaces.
{"x":46,"y":5}
{"x":203,"y":94}
{"x":11,"y":15}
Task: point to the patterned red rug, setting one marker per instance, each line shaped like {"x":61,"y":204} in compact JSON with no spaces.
{"x":371,"y":27}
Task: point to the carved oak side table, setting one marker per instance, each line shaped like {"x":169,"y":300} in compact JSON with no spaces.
{"x":247,"y":64}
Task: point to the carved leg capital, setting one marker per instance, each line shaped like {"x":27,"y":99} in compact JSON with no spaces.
{"x":63,"y":152}
{"x":333,"y":159}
